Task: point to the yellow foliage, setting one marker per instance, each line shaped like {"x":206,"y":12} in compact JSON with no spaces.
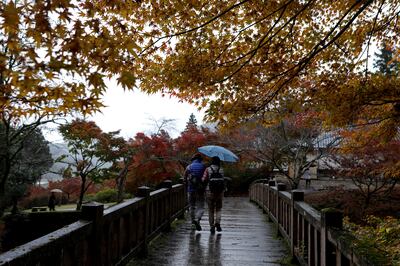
{"x":11,"y":17}
{"x":265,"y":59}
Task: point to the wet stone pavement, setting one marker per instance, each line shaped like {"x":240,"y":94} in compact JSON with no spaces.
{"x":246,"y":239}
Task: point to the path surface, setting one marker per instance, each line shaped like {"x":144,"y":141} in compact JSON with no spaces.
{"x":246,"y":239}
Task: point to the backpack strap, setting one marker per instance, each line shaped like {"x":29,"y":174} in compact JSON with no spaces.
{"x":212,"y":170}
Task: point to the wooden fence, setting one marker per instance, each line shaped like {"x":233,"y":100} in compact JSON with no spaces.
{"x":106,"y":237}
{"x":315,"y":238}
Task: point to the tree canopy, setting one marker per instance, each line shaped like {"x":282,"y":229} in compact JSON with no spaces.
{"x":47,"y":63}
{"x":93,"y":154}
{"x":244,"y":58}
{"x":291,"y":147}
{"x":237,"y":59}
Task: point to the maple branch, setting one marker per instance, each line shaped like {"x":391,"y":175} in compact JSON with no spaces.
{"x":195,"y":28}
{"x":370,"y":36}
{"x":395,"y":16}
{"x":249,"y":26}
{"x":383,"y":102}
{"x":18,"y":136}
{"x":88,"y":185}
{"x":254,"y":51}
{"x":263,"y":40}
{"x":374,"y":122}
{"x":320,"y":46}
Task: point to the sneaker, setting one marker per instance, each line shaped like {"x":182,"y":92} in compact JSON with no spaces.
{"x":218,"y":226}
{"x":212,"y":230}
{"x":197,"y":225}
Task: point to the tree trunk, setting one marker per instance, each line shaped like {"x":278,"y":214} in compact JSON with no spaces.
{"x":295,"y":185}
{"x":120,"y":187}
{"x":121,"y":184}
{"x":3,"y":182}
{"x":367,"y":200}
{"x":15,"y":206}
{"x":81,"y":193}
{"x":2,"y":204}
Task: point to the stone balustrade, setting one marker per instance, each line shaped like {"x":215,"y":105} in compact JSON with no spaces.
{"x":106,"y":237}
{"x":315,"y":238}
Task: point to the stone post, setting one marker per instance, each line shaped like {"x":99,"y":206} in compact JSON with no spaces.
{"x":251,"y":192}
{"x":329,"y":218}
{"x":182,"y":201}
{"x":183,"y":181}
{"x":168,"y":185}
{"x":94,"y":212}
{"x":296,"y":196}
{"x":264,"y":198}
{"x":271,"y":183}
{"x":144,"y":192}
{"x":280,"y":187}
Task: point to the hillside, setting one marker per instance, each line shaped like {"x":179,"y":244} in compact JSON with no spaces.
{"x":56,"y":150}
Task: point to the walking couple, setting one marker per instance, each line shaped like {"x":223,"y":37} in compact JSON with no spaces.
{"x":205,"y":184}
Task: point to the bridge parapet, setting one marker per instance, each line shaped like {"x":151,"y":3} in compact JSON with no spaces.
{"x":314,"y":237}
{"x":109,"y":237}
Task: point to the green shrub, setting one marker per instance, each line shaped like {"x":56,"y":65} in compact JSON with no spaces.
{"x":39,"y":201}
{"x":106,"y":195}
{"x":127,"y":196}
{"x":378,"y":240}
{"x":242,"y":178}
{"x":89,"y":197}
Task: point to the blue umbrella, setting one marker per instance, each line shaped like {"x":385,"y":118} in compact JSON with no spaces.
{"x":223,"y":153}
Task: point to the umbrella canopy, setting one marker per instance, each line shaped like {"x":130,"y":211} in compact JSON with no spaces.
{"x":56,"y":190}
{"x":222,"y":153}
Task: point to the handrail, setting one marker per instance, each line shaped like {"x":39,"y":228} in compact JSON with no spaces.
{"x":110,"y":237}
{"x":261,"y":180}
{"x":315,"y":238}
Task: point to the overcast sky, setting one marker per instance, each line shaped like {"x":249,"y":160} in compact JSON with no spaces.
{"x":134,"y":111}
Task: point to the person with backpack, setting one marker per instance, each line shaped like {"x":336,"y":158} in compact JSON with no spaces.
{"x":214,"y":177}
{"x":196,"y":190}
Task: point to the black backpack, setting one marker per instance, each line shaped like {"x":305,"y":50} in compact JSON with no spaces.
{"x":216,"y":182}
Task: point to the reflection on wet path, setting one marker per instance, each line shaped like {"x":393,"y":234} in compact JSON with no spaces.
{"x":246,"y":239}
{"x":204,"y":253}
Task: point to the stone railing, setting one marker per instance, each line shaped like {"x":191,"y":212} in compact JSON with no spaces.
{"x":106,"y":237}
{"x":315,"y":238}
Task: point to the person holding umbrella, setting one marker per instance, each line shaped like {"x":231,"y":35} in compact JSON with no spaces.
{"x":52,"y":202}
{"x":214,"y":177}
{"x":193,"y":178}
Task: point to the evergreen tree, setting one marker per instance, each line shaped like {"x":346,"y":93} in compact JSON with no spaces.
{"x":191,"y":123}
{"x":30,"y":159}
{"x":384,"y":61}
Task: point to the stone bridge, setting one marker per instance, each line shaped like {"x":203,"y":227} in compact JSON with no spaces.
{"x":154,"y":224}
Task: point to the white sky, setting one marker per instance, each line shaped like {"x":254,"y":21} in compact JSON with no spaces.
{"x":134,"y":111}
